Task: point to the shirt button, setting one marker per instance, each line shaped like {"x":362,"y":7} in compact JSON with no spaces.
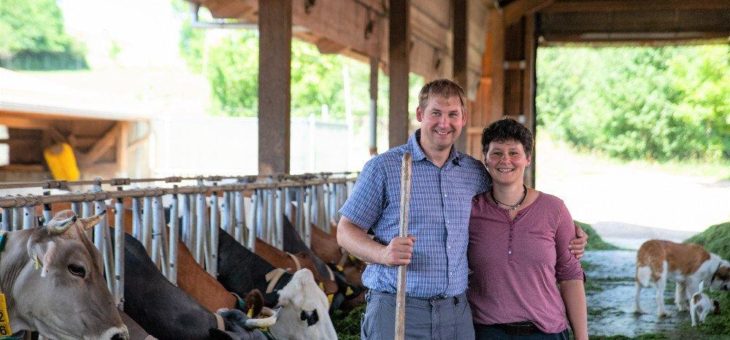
{"x":448,"y":247}
{"x":445,"y":195}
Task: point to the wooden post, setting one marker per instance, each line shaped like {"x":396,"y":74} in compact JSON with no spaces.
{"x":405,"y":199}
{"x":398,"y":66}
{"x":460,"y":22}
{"x":275,"y":32}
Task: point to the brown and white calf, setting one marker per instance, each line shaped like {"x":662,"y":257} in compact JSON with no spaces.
{"x":686,"y":264}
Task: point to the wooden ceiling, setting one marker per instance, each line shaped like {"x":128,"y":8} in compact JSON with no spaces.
{"x":631,"y":21}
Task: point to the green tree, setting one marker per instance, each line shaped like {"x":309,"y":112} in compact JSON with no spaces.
{"x":638,"y":103}
{"x":32,"y":36}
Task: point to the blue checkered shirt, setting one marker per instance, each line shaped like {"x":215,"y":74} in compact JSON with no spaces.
{"x":438,"y":217}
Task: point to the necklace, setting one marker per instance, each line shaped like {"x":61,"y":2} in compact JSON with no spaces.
{"x":511,"y":206}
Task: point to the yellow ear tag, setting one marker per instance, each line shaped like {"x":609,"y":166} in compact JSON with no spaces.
{"x":250,"y":312}
{"x":330,"y":297}
{"x":349,"y":291}
{"x":321,"y":286}
{"x":36,"y":263}
{"x":4,"y":318}
{"x":339,"y":268}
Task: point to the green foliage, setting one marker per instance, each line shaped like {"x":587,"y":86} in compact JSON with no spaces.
{"x":715,"y":239}
{"x":347,"y":324}
{"x":32,"y":36}
{"x":595,"y":242}
{"x":638,"y":103}
{"x":320,"y":83}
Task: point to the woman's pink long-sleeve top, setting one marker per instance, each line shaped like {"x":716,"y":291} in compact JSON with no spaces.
{"x":516,"y":265}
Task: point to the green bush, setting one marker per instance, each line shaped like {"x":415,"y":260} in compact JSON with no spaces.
{"x":595,"y":242}
{"x":638,"y":103}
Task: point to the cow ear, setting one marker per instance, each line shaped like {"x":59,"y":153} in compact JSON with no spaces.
{"x":90,"y":222}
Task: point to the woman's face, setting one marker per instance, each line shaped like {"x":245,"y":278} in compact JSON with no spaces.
{"x":506,"y":161}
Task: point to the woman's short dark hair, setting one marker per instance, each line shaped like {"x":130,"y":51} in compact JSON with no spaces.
{"x":507,"y":129}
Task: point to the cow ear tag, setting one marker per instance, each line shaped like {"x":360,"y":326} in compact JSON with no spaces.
{"x":5,"y":329}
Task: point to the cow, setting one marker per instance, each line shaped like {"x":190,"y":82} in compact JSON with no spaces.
{"x":326,"y":247}
{"x":199,"y":284}
{"x":353,"y":295}
{"x":240,"y":270}
{"x":53,"y":282}
{"x":294,"y":262}
{"x":166,"y":312}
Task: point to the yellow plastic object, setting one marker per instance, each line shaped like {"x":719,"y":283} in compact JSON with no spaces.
{"x":62,"y":162}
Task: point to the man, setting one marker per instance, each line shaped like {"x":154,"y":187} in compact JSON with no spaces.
{"x":444,"y":182}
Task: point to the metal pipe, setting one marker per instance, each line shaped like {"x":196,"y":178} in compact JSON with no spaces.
{"x":28,"y":217}
{"x":279,"y":234}
{"x":147,"y":223}
{"x":200,"y":232}
{"x":17,"y":219}
{"x":136,"y":218}
{"x":157,"y":226}
{"x":172,"y":273}
{"x":119,"y":253}
{"x":213,"y":262}
{"x":7,"y":215}
{"x":240,"y":217}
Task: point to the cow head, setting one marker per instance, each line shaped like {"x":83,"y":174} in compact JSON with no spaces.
{"x":721,"y":277}
{"x":303,"y":313}
{"x":59,"y":289}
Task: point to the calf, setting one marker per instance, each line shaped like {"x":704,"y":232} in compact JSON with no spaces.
{"x":687,"y":264}
{"x":53,"y":281}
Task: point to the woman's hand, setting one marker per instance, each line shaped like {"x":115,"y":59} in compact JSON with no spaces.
{"x":577,"y":245}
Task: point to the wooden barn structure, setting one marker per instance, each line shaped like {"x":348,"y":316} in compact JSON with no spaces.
{"x":488,"y":46}
{"x":38,"y":115}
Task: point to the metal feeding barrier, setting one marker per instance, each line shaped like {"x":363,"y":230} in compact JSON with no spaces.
{"x":187,"y":209}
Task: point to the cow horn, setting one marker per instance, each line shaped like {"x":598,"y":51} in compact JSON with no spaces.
{"x":56,"y":227}
{"x":91,"y":221}
{"x":264,"y":322}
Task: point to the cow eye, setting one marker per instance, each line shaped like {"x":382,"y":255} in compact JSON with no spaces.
{"x":77,"y":270}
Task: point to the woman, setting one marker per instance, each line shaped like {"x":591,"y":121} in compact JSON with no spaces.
{"x":525,"y":283}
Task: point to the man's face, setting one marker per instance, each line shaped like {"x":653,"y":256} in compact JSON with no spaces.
{"x":441,"y":122}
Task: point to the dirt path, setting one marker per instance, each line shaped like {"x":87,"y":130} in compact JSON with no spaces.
{"x":629,"y":203}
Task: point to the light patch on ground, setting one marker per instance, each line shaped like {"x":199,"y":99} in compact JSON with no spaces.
{"x":629,"y":203}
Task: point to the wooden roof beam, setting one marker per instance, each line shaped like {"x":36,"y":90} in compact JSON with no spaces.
{"x":516,"y":10}
{"x":622,"y":5}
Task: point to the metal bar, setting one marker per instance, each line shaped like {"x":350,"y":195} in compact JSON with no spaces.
{"x":172,"y":260}
{"x":17,"y":219}
{"x":214,"y":229}
{"x":160,"y":234}
{"x":47,"y":211}
{"x":200,"y":232}
{"x":136,"y":218}
{"x":21,"y":201}
{"x":240,"y":217}
{"x":308,"y":215}
{"x":28,"y":217}
{"x":76,"y":208}
{"x":7,"y":215}
{"x":279,"y":210}
{"x":226,"y":210}
{"x":147,"y":223}
{"x":270,"y":216}
{"x":119,"y":253}
{"x":157,"y":225}
{"x":301,"y":192}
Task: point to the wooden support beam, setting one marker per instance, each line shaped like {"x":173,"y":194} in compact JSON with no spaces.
{"x":643,"y":5}
{"x":374,"y":70}
{"x":398,"y":66}
{"x":101,"y":147}
{"x":516,"y":10}
{"x":122,"y":151}
{"x":529,"y":83}
{"x":460,"y":29}
{"x":275,"y":33}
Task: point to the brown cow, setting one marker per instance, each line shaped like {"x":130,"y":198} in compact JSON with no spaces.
{"x":294,"y":262}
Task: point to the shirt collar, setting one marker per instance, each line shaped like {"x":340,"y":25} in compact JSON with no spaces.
{"x":419,"y":155}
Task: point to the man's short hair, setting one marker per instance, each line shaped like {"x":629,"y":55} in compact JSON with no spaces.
{"x":444,"y":88}
{"x":507,"y":129}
